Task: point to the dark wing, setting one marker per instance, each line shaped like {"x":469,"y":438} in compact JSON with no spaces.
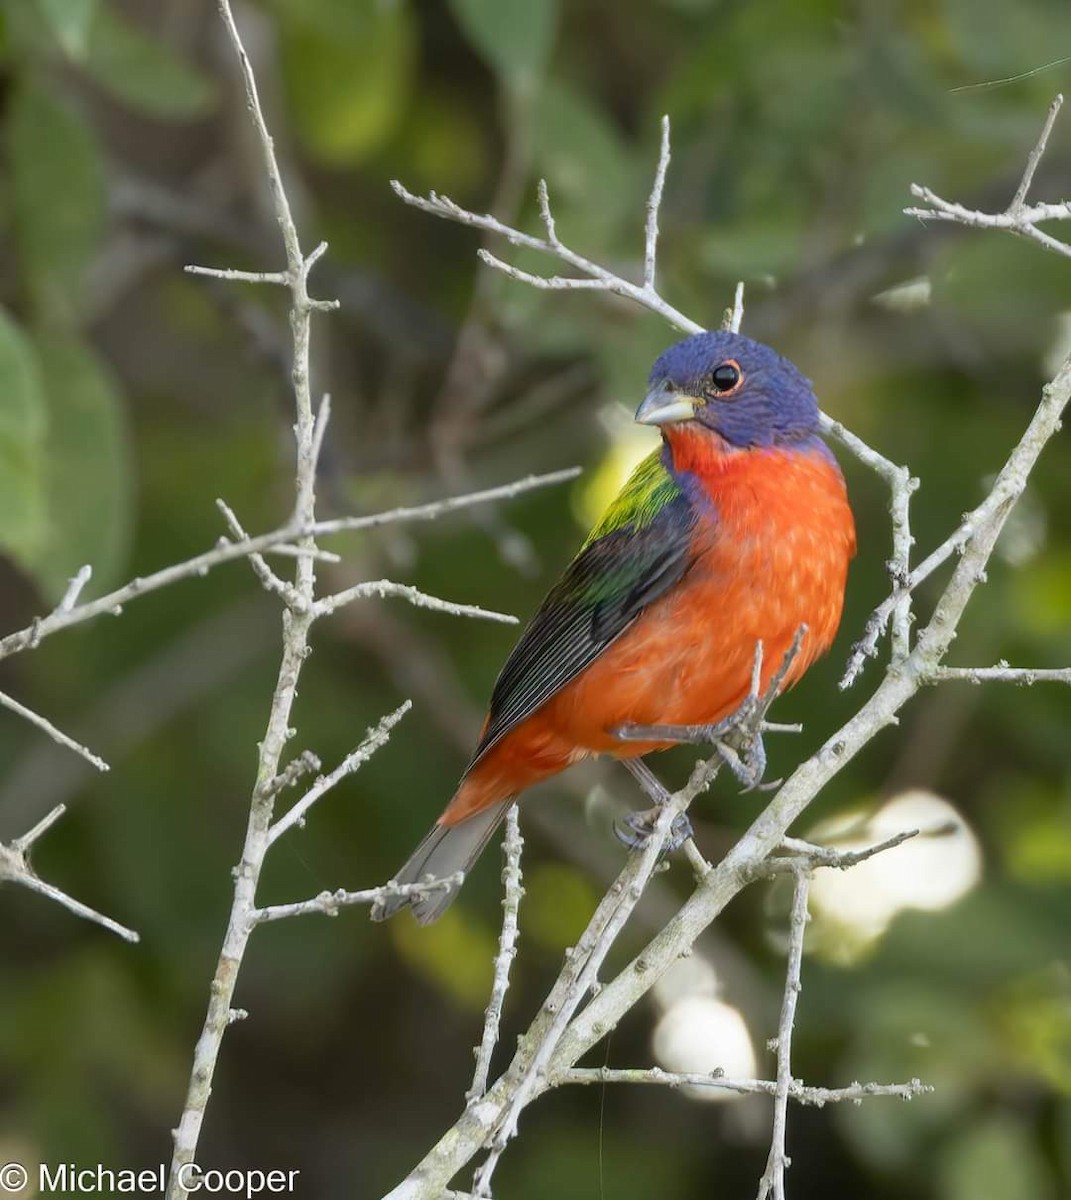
{"x":604,"y":589}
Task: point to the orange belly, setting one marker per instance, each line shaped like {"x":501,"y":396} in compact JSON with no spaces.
{"x":761,"y":572}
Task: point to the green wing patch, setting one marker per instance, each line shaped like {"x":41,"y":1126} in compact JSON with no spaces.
{"x":636,"y":553}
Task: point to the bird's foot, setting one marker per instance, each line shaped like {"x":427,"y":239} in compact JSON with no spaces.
{"x":748,"y":764}
{"x":635,"y":830}
{"x":738,"y":737}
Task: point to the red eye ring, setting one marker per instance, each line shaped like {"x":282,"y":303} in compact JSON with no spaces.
{"x":726,"y":378}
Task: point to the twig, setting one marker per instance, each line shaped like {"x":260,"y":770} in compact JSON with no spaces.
{"x":57,"y":735}
{"x":733,"y":317}
{"x":74,"y":588}
{"x":374,"y":740}
{"x":22,"y":845}
{"x":1035,"y":155}
{"x":854,"y":1093}
{"x":305,"y":763}
{"x":328,"y":904}
{"x":294,"y":529}
{"x":382,"y":588}
{"x":1018,"y":218}
{"x":15,"y":868}
{"x":512,"y":845}
{"x":1002,"y":673}
{"x":772,"y":1182}
{"x":654,"y":203}
{"x":597,"y":278}
{"x":234,"y":276}
{"x":441,"y":508}
{"x":809,"y":856}
{"x":268,"y":579}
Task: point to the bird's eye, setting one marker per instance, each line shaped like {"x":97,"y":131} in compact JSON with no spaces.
{"x":725,"y":378}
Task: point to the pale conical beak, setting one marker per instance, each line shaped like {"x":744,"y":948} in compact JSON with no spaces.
{"x":662,"y":406}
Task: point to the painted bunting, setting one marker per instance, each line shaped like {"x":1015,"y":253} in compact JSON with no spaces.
{"x":736,"y":529}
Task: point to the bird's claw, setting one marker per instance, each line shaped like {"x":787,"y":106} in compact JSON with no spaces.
{"x":635,"y":830}
{"x":748,"y":764}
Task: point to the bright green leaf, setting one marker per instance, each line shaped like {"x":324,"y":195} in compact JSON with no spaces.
{"x":69,"y":20}
{"x":22,"y":432}
{"x":347,"y":90}
{"x":514,"y":36}
{"x":142,"y":72}
{"x":87,"y":467}
{"x":58,"y":194}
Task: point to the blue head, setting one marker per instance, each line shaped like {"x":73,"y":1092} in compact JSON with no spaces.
{"x":739,"y":389}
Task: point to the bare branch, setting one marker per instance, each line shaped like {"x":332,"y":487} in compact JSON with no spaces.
{"x":528,"y":1076}
{"x":543,"y":200}
{"x":74,"y":588}
{"x":382,"y":588}
{"x":57,"y":735}
{"x":374,"y":740}
{"x":15,"y":868}
{"x":441,"y":508}
{"x":599,"y":279}
{"x":233,"y":276}
{"x":296,"y":625}
{"x":512,"y":845}
{"x":305,"y":763}
{"x":772,"y":1182}
{"x":1035,"y":156}
{"x":1002,"y":673}
{"x":854,"y":1093}
{"x":268,"y":579}
{"x":279,"y":539}
{"x":1023,"y":223}
{"x":654,"y":203}
{"x":22,"y":845}
{"x":314,"y":552}
{"x":733,"y":317}
{"x":809,"y":856}
{"x":328,"y":904}
{"x":1018,"y":218}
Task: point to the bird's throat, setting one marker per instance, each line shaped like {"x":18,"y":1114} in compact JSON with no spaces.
{"x":696,"y":450}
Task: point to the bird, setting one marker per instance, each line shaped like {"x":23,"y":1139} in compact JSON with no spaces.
{"x":736,"y":529}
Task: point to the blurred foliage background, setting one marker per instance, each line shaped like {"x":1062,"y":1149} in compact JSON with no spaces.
{"x":131,"y":395}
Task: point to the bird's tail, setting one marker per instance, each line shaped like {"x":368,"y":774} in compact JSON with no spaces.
{"x":446,"y":850}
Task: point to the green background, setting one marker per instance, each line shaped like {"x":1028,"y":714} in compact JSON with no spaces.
{"x":132,"y":395}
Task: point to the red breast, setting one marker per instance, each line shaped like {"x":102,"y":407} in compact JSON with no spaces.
{"x":772,"y":551}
